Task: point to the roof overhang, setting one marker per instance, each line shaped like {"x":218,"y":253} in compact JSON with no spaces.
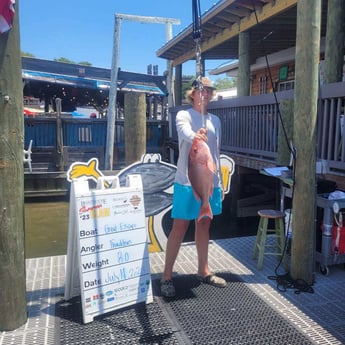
{"x":270,"y":23}
{"x":65,"y":80}
{"x":87,"y":83}
{"x":89,"y":77}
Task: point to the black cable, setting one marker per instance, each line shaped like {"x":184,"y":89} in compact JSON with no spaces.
{"x":196,"y":20}
{"x":197,"y":34}
{"x":271,"y":80}
{"x":284,"y":281}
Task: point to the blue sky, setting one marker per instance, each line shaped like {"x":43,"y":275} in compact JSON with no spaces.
{"x":83,"y":30}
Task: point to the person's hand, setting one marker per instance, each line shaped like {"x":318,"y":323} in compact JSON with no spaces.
{"x":201,"y":134}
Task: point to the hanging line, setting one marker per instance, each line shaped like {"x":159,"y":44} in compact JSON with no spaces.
{"x":290,"y":146}
{"x":280,"y":278}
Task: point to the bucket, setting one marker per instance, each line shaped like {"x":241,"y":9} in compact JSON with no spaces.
{"x":288,"y":223}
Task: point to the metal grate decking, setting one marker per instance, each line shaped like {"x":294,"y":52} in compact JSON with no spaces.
{"x":138,"y":324}
{"x":319,"y":316}
{"x":233,"y":315}
{"x":200,"y":314}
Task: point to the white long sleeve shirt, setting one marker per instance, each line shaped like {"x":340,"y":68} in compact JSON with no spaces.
{"x":188,"y":122}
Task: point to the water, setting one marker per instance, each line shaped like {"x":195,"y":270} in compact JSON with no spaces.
{"x":46,"y":227}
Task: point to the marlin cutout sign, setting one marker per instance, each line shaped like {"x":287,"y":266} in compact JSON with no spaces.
{"x":157,"y":179}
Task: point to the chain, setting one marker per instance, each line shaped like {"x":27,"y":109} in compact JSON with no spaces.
{"x":197,"y":33}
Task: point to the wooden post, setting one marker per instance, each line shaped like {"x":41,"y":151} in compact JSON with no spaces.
{"x":306,"y":95}
{"x":12,"y":259}
{"x":111,"y":116}
{"x":178,"y":85}
{"x":285,"y":134}
{"x":243,"y":85}
{"x":114,"y":71}
{"x":135,"y":126}
{"x":59,"y":137}
{"x":169,"y":72}
{"x":335,"y":35}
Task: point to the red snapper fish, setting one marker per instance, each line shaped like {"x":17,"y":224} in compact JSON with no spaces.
{"x":201,"y":170}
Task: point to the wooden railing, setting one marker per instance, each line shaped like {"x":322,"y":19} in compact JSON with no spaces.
{"x":330,"y":136}
{"x":250,"y":126}
{"x":84,"y":137}
{"x":249,"y":129}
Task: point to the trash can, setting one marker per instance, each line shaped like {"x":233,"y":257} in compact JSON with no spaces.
{"x":288,"y":223}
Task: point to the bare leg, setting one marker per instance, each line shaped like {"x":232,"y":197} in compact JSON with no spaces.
{"x":175,"y":239}
{"x":202,"y":236}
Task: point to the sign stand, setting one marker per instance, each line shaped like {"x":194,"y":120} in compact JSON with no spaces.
{"x":107,"y":253}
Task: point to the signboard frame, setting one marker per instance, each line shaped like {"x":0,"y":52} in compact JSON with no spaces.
{"x":107,"y":253}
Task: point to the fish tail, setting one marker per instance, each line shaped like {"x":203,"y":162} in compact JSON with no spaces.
{"x":205,"y":211}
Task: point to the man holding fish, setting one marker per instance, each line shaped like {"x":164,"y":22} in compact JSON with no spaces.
{"x":198,"y":191}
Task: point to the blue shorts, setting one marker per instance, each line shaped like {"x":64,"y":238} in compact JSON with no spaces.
{"x":186,"y":206}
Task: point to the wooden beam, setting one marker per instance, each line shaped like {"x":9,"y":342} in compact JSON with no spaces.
{"x":147,"y":19}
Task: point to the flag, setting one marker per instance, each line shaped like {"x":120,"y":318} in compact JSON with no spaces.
{"x":6,"y":15}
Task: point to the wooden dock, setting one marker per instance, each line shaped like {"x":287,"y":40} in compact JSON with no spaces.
{"x":45,"y":184}
{"x":40,"y":183}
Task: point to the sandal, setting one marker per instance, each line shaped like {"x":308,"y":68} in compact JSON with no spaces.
{"x":213,"y":280}
{"x":167,"y":288}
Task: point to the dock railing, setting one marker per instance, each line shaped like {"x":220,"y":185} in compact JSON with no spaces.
{"x":250,"y":127}
{"x":249,"y":131}
{"x":83,"y":139}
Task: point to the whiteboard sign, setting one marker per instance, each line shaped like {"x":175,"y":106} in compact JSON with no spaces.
{"x":112,"y":252}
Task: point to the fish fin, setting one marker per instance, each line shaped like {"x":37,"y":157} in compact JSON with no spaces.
{"x":212,"y":166}
{"x":205,"y":211}
{"x":211,"y":191}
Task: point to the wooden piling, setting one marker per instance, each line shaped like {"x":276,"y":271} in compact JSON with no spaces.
{"x":135,"y":126}
{"x":335,"y":35}
{"x":306,"y":96}
{"x":285,"y":131}
{"x":243,"y":85}
{"x":12,"y":257}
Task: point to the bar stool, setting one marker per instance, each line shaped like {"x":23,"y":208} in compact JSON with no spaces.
{"x":264,"y":230}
